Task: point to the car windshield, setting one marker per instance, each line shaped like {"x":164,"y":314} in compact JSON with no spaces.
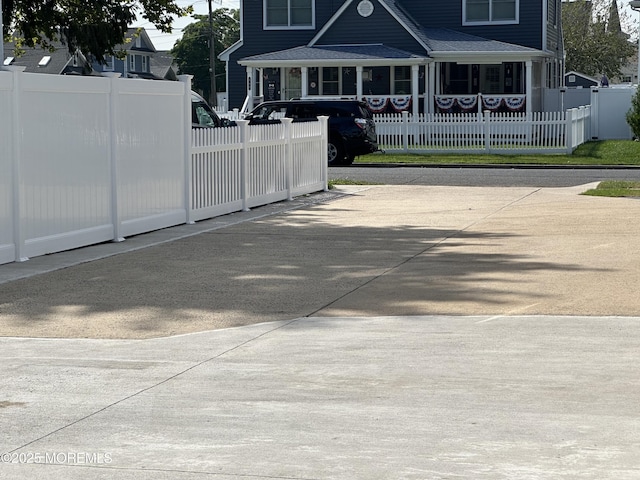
{"x":204,"y":118}
{"x":269,"y":112}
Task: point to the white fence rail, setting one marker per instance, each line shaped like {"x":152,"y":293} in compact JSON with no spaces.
{"x":544,"y":132}
{"x":86,"y":160}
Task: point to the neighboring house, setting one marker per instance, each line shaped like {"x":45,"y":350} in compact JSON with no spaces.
{"x":140,"y":60}
{"x":38,"y":60}
{"x":575,"y":80}
{"x":416,"y":55}
{"x":136,"y":62}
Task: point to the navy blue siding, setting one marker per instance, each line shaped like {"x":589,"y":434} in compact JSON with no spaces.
{"x":379,"y":27}
{"x":527,"y":32}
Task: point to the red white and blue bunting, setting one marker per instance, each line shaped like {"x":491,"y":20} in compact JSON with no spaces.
{"x":445,"y":103}
{"x":398,"y":103}
{"x":470,"y":103}
{"x":514,"y":103}
{"x":377,"y":105}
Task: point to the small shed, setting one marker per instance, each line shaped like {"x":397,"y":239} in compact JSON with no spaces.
{"x":575,"y":79}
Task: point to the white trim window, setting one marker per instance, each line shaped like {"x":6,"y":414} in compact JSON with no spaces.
{"x":109,"y":63}
{"x":486,"y":12}
{"x":289,"y":14}
{"x":145,"y":64}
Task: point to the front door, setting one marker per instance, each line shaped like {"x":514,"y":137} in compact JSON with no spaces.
{"x":292,"y":83}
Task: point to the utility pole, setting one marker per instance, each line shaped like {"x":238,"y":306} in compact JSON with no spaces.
{"x":213,"y":96}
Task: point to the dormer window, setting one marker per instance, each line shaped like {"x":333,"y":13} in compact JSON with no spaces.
{"x":285,"y":14}
{"x":485,"y":12}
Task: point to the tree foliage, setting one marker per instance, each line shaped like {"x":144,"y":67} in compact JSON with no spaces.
{"x":633,"y":115}
{"x":593,"y":40}
{"x":96,"y":27}
{"x":192,"y":50}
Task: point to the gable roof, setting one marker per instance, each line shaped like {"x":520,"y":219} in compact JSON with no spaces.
{"x":163,"y":65}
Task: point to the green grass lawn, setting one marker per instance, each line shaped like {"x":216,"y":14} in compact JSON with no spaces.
{"x":615,"y":188}
{"x":607,"y":152}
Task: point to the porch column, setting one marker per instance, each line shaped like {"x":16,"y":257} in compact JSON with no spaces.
{"x":251,"y":94}
{"x":415,"y":91}
{"x":261,"y":91}
{"x":529,"y":86}
{"x":305,"y":81}
{"x":431,"y":88}
{"x":359,"y":88}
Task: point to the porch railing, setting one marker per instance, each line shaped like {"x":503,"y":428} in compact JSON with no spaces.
{"x":538,"y":132}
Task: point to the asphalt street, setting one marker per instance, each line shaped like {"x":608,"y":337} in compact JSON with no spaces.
{"x":489,"y":176}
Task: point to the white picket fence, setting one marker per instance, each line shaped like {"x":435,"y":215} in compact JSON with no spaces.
{"x":538,"y":132}
{"x":259,"y":164}
{"x":86,"y":160}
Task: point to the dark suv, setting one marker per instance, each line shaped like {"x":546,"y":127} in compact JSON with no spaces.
{"x":352,"y":131}
{"x":203,"y":116}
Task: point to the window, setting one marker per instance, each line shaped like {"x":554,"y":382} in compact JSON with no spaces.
{"x":490,"y":11}
{"x":288,"y":14}
{"x":145,"y":63}
{"x":132,"y":63}
{"x":402,"y":80}
{"x":330,"y":81}
{"x":109,"y":63}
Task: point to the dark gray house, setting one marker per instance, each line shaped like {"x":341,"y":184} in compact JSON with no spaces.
{"x":416,"y":55}
{"x":140,"y":59}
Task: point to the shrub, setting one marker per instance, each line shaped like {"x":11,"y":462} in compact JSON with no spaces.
{"x":633,"y":115}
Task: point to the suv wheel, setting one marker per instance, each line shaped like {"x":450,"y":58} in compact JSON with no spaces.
{"x":336,"y":152}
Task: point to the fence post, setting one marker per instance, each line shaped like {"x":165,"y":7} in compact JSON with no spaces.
{"x":288,"y":155}
{"x":324,"y":156}
{"x":113,"y":152}
{"x":188,"y":143}
{"x":18,"y":240}
{"x":569,"y":130}
{"x":243,"y":125}
{"x":487,"y":130}
{"x":405,"y":131}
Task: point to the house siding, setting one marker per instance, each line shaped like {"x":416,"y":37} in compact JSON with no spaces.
{"x":554,"y":38}
{"x":527,"y":32}
{"x":379,"y":27}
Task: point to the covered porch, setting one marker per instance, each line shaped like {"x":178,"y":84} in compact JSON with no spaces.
{"x":459,"y":74}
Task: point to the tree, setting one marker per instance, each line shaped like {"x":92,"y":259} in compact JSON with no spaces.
{"x":593,"y":39}
{"x":192,"y":50}
{"x":95,"y":27}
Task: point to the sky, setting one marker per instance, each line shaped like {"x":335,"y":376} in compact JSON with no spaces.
{"x":201,"y":7}
{"x":164,"y":41}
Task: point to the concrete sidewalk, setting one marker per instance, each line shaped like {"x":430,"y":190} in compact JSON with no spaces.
{"x":392,"y":332}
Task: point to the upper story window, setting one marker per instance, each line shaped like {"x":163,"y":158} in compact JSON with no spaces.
{"x":490,"y":11}
{"x":279,"y":14}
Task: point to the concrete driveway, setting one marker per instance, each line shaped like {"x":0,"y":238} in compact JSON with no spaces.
{"x":383,"y":332}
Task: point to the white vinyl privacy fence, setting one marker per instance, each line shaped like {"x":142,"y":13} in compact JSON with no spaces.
{"x":85,"y":160}
{"x":541,"y":132}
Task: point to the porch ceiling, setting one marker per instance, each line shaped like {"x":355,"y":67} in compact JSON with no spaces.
{"x":335,"y":55}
